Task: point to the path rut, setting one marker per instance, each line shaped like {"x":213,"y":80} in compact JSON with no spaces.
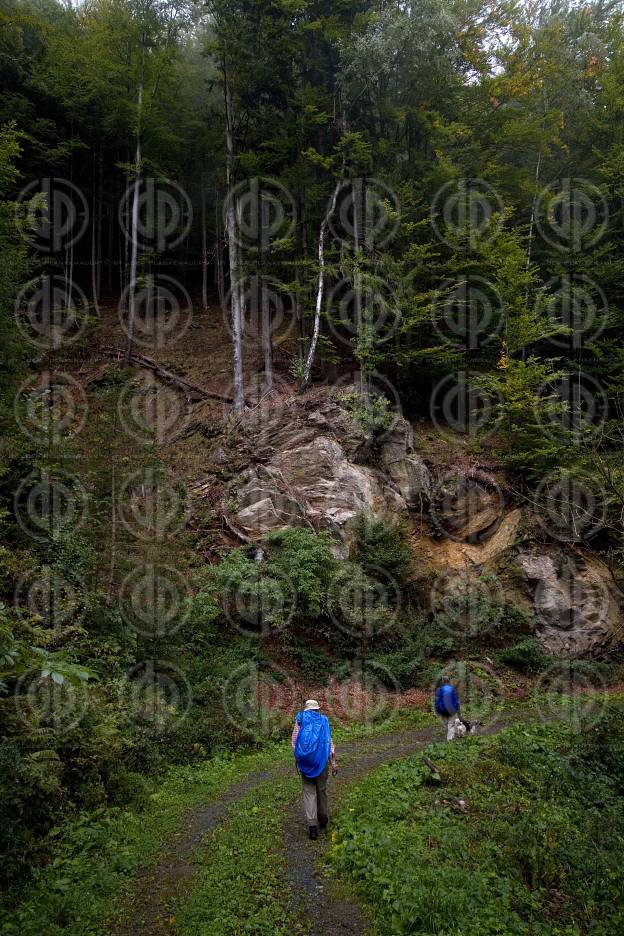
{"x":160,"y":889}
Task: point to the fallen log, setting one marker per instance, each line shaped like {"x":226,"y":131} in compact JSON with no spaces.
{"x":187,"y":386}
{"x":236,"y":532}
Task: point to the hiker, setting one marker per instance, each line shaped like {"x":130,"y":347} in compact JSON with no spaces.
{"x":447,"y":706}
{"x":314,"y":752}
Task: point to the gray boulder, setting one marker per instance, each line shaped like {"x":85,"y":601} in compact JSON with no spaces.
{"x":576,"y":602}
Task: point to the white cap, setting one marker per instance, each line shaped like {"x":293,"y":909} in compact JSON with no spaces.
{"x":312,"y":706}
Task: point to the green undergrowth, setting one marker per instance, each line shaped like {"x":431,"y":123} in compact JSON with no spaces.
{"x":96,"y":856}
{"x":241,"y":887}
{"x":533,"y":848}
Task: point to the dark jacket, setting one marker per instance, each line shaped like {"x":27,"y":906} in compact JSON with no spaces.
{"x":446,"y":701}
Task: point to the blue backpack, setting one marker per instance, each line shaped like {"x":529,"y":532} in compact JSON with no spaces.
{"x":446,"y":701}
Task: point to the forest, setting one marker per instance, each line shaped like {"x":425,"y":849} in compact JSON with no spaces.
{"x":311,"y":388}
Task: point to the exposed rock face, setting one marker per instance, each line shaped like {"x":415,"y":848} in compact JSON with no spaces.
{"x":315,"y":467}
{"x":310,"y":464}
{"x":575,"y":601}
{"x":469,"y":507}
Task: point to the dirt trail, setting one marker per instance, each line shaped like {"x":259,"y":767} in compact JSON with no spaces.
{"x":160,"y":889}
{"x":327,"y":913}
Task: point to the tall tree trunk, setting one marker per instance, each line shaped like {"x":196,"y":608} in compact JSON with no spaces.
{"x":231,"y":220}
{"x":219,"y":271}
{"x":94,"y":215}
{"x":359,"y":245}
{"x":307,"y":373}
{"x":135,"y":211}
{"x":267,"y":338}
{"x":204,"y":245}
{"x":100,"y":224}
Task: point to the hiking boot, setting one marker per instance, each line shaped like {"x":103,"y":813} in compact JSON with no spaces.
{"x":313,"y":833}
{"x":323,"y":820}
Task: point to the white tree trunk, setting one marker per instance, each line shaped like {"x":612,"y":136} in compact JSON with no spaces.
{"x":307,"y":373}
{"x":204,"y":248}
{"x":134,"y":255}
{"x":219,"y":272}
{"x":231,"y":221}
{"x":267,"y":338}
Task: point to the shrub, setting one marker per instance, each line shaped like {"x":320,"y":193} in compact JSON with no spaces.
{"x":526,"y":655}
{"x":404,"y":667}
{"x":315,"y":666}
{"x":381,"y":542}
{"x":535,"y":849}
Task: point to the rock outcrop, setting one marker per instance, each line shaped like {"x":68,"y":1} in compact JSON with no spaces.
{"x":315,"y":465}
{"x":577,"y":605}
{"x":309,"y":462}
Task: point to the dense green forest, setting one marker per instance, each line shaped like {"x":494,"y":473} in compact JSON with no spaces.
{"x":311,"y":383}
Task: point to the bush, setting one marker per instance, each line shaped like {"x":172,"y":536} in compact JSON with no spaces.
{"x":526,"y":655}
{"x":405,"y":668}
{"x":536,"y":849}
{"x":316,"y":667}
{"x":381,"y":543}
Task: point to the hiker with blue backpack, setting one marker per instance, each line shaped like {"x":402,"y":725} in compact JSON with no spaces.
{"x":314,"y":752}
{"x":446,"y":705}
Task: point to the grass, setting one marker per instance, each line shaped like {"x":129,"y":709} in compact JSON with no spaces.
{"x":241,"y":887}
{"x":535,"y":849}
{"x":97,"y":854}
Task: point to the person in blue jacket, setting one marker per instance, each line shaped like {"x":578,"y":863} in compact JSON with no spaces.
{"x":447,"y":705}
{"x":314,"y":752}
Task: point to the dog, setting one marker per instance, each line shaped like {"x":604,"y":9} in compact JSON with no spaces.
{"x":459,"y":728}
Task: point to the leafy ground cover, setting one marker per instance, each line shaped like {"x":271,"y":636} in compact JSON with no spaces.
{"x":96,"y":857}
{"x":524,"y":835}
{"x":241,"y":886}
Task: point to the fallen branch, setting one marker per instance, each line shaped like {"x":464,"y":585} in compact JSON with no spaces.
{"x":185,"y":385}
{"x":435,"y":773}
{"x":236,"y":532}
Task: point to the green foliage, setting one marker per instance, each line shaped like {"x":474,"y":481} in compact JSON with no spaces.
{"x":474,"y":618}
{"x":382,"y":543}
{"x":534,"y":850}
{"x":403,"y":667}
{"x":526,"y":655}
{"x":241,"y":883}
{"x":372,"y":413}
{"x":97,"y":853}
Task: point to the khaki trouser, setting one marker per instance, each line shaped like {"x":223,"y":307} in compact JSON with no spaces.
{"x":315,"y":797}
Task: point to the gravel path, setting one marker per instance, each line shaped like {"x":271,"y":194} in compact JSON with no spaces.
{"x":160,"y":889}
